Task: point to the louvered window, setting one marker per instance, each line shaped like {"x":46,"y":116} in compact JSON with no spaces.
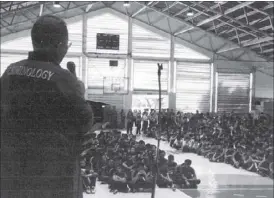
{"x":193,"y":85}
{"x":233,"y":92}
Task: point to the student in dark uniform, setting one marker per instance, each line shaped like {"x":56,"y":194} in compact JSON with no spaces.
{"x":138,"y":123}
{"x":55,"y":113}
{"x":123,"y":119}
{"x":130,"y":119}
{"x":145,"y":122}
{"x":119,"y":181}
{"x":189,"y":174}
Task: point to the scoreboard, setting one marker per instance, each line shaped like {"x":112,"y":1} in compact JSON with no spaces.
{"x":108,"y":41}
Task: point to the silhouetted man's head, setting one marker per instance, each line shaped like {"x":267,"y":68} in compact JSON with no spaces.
{"x":49,"y":34}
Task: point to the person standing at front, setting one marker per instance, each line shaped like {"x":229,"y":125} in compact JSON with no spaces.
{"x":43,"y":117}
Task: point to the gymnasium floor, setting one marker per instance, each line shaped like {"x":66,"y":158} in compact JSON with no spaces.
{"x":218,"y":180}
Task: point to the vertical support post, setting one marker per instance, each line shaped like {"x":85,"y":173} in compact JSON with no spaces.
{"x":172,"y":77}
{"x":216,"y":92}
{"x":250,"y":91}
{"x":253,"y":88}
{"x":211,"y":87}
{"x":84,"y":58}
{"x":128,"y":98}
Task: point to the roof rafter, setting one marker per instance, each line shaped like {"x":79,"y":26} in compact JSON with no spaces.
{"x":237,"y":18}
{"x":238,"y":22}
{"x":246,"y":44}
{"x":230,"y":10}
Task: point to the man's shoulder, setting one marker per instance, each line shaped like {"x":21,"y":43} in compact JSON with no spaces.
{"x":39,"y":70}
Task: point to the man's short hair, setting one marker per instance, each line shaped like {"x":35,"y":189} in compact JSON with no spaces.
{"x":49,"y":31}
{"x":188,"y":162}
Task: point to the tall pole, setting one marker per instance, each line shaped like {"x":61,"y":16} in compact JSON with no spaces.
{"x":156,"y":171}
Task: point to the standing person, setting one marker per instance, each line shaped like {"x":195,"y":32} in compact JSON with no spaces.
{"x":178,"y":121}
{"x":134,"y":116}
{"x":145,"y":122}
{"x":43,"y":117}
{"x":138,"y":123}
{"x":152,"y":121}
{"x":129,"y":121}
{"x":114,"y":117}
{"x":123,"y":119}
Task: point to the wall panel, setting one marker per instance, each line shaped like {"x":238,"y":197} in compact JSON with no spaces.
{"x":98,"y":68}
{"x":7,"y":59}
{"x":233,"y":92}
{"x":25,"y":43}
{"x":193,"y":87}
{"x":110,"y":24}
{"x":149,"y":44}
{"x":146,"y":76}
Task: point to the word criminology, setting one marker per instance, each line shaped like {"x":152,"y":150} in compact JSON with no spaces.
{"x":30,"y":72}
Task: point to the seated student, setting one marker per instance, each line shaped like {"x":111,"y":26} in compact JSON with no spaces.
{"x":189,"y":173}
{"x":196,"y":146}
{"x":119,"y":181}
{"x":89,"y":177}
{"x":177,"y":177}
{"x":162,"y":160}
{"x":178,"y":143}
{"x":163,"y":179}
{"x":228,"y":155}
{"x":248,"y":163}
{"x":170,"y":163}
{"x":237,"y":158}
{"x":263,"y":166}
{"x":141,"y":179}
{"x":107,"y":172}
{"x":186,"y":145}
{"x":205,"y":149}
{"x":218,"y":156}
{"x":271,"y":170}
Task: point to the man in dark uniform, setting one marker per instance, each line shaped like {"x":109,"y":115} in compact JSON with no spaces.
{"x":43,"y":118}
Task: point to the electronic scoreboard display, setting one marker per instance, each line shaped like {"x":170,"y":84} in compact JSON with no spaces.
{"x":108,"y":41}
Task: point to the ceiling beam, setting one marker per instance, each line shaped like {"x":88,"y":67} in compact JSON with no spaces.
{"x":262,"y":45}
{"x":170,"y":6}
{"x":246,"y":44}
{"x":71,"y":9}
{"x":181,"y":12}
{"x":19,"y":10}
{"x":141,"y":9}
{"x":184,"y":30}
{"x":230,"y":10}
{"x":198,"y":28}
{"x":199,"y":12}
{"x":237,"y":18}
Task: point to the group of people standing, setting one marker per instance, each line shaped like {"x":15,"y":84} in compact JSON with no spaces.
{"x":146,"y":120}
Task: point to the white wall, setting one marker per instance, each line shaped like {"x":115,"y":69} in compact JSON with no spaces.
{"x":263,"y":85}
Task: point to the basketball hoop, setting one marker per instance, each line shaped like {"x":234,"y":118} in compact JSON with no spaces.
{"x":116,"y":85}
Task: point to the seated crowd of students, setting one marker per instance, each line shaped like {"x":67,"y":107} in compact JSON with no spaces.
{"x":126,"y":164}
{"x":237,"y":140}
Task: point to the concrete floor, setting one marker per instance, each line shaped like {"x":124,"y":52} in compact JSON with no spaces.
{"x":218,"y":180}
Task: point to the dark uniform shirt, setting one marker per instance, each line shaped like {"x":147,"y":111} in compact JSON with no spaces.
{"x":43,"y":117}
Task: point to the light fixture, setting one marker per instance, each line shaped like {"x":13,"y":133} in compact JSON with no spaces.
{"x":88,"y":7}
{"x":126,"y":3}
{"x":190,"y":13}
{"x":56,"y":4}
